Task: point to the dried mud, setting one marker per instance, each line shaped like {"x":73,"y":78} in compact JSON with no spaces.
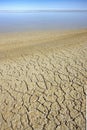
{"x":43,"y":87}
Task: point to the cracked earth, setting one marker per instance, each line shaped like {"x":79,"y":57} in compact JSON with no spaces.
{"x":43,"y":87}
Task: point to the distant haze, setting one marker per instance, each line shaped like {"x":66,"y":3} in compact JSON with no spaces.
{"x":16,"y":22}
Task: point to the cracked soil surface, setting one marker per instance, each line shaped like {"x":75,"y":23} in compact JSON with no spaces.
{"x":43,"y":81}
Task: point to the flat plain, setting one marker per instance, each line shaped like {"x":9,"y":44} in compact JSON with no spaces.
{"x":43,"y":80}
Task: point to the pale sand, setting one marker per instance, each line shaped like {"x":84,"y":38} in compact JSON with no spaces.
{"x":43,"y":80}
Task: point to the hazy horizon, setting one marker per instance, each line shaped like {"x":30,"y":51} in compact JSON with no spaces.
{"x":40,"y":11}
{"x":35,"y":21}
{"x":46,"y":10}
{"x":26,"y":15}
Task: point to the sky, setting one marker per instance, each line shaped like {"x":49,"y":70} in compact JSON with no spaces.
{"x":43,"y":4}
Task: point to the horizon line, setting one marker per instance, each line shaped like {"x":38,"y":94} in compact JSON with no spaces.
{"x":42,"y":10}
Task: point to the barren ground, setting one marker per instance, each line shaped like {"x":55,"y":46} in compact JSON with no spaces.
{"x":43,"y":81}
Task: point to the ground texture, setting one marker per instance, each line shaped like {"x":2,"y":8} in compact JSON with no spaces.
{"x":43,"y":86}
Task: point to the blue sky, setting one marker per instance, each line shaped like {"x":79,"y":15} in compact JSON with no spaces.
{"x":42,"y":4}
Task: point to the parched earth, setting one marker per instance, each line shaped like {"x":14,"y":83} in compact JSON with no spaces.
{"x":45,"y":89}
